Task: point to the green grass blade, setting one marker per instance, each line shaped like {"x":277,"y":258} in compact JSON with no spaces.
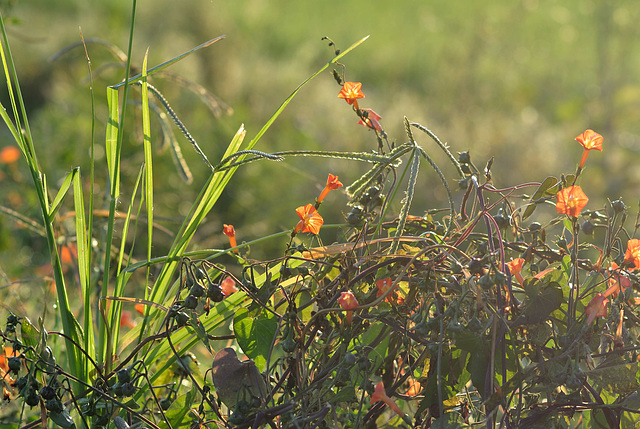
{"x":64,"y":189}
{"x":170,"y":62}
{"x":111,"y":142}
{"x":84,"y":270}
{"x":148,"y":159}
{"x":407,"y":200}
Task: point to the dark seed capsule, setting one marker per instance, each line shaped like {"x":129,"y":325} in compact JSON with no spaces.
{"x":618,"y":206}
{"x":214,"y":293}
{"x":124,"y":376}
{"x":587,"y":227}
{"x":31,"y":398}
{"x":47,"y":392}
{"x":464,"y":157}
{"x":182,"y":318}
{"x":535,"y":227}
{"x":128,"y":389}
{"x":191,"y":302}
{"x":197,"y":290}
{"x":475,"y":266}
{"x":14,"y":363}
{"x":54,"y":405}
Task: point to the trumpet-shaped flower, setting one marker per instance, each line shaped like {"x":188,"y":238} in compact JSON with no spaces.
{"x":310,"y":219}
{"x":348,"y":302}
{"x":515,"y":267}
{"x":590,"y":140}
{"x":632,"y":255}
{"x":381,"y":395}
{"x":332,"y":183}
{"x":617,"y":281}
{"x":371,"y":120}
{"x":597,"y":307}
{"x":383,"y":286}
{"x":571,"y":201}
{"x":350,"y":92}
{"x":228,"y":286}
{"x":230,"y":232}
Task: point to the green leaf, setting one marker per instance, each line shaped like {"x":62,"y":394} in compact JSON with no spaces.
{"x":62,"y":419}
{"x":346,"y":394}
{"x":540,"y":303}
{"x":547,"y":184}
{"x":30,"y":334}
{"x":179,"y":409}
{"x":255,"y":335}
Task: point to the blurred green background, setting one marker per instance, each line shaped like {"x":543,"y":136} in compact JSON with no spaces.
{"x":517,"y":80}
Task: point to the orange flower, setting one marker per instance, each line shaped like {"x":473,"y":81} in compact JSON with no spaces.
{"x":332,"y":183}
{"x":228,"y":286}
{"x":372,"y":120}
{"x":230,"y":232}
{"x":571,"y":201}
{"x":590,"y":140}
{"x":383,"y":286}
{"x":9,"y":155}
{"x":617,"y":282}
{"x":515,"y":267}
{"x":597,"y":307}
{"x":139,"y":308}
{"x":348,"y":302}
{"x":310,"y":219}
{"x":633,"y":253}
{"x":351,"y":92}
{"x":381,"y":395}
{"x":414,"y":387}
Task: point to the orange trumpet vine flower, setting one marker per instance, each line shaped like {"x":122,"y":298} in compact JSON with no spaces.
{"x":617,"y":281}
{"x":372,"y":120}
{"x":632,"y":255}
{"x":228,"y":286}
{"x":310,"y":220}
{"x":571,"y":201}
{"x":230,"y":232}
{"x":332,"y":183}
{"x":383,"y":286}
{"x":597,"y":307}
{"x":590,"y":140}
{"x":350,"y":92}
{"x":348,"y":302}
{"x":381,"y":395}
{"x":515,"y":267}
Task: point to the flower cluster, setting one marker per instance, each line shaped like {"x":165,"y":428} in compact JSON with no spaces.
{"x":351,"y":92}
{"x":310,"y":219}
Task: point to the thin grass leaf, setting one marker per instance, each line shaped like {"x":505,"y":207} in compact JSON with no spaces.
{"x":166,"y":64}
{"x":148,"y":158}
{"x":83,"y":243}
{"x":407,"y":200}
{"x":111,"y":141}
{"x":64,"y":188}
{"x":117,"y":52}
{"x":25,"y":142}
{"x":116,"y":309}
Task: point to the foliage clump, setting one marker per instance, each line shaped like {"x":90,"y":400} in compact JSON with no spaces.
{"x":468,"y":313}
